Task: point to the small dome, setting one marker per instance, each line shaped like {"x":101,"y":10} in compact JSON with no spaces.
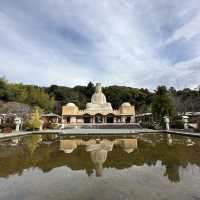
{"x":126,"y":104}
{"x":71,"y":105}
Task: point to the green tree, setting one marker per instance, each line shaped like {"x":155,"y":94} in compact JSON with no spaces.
{"x":90,"y":89}
{"x":35,"y":122}
{"x":162,"y":104}
{"x":3,"y":88}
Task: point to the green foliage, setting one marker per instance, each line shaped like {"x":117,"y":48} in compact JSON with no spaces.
{"x":35,"y":122}
{"x":198,"y":125}
{"x":141,"y":98}
{"x":3,"y":89}
{"x":7,"y":125}
{"x":162,"y":104}
{"x":38,"y":109}
{"x":28,"y":94}
{"x":50,"y":99}
{"x":177,"y":124}
{"x":79,"y":95}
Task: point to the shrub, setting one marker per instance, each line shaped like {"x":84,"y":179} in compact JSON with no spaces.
{"x":177,"y":124}
{"x":147,"y":125}
{"x":7,"y":130}
{"x":198,"y":125}
{"x":53,"y":126}
{"x":7,"y":125}
{"x":35,"y":122}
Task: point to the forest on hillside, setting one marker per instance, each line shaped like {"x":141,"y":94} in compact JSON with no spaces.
{"x":50,"y":99}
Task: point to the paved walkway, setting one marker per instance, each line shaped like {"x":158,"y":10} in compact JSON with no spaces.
{"x":105,"y":131}
{"x":79,"y":131}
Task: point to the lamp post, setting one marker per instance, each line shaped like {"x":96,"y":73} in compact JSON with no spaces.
{"x":62,"y":124}
{"x":41,"y":125}
{"x":185,"y":121}
{"x":18,"y":122}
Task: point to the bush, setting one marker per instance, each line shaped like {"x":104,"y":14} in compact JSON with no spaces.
{"x":198,"y":125}
{"x":7,"y":130}
{"x":147,"y":125}
{"x":177,"y":124}
{"x":7,"y":125}
{"x":53,"y":126}
{"x":35,"y":122}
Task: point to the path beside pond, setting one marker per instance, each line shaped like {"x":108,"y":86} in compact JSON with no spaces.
{"x":79,"y":131}
{"x":182,"y":132}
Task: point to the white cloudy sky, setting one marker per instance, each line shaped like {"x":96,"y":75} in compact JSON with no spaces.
{"x":139,"y":43}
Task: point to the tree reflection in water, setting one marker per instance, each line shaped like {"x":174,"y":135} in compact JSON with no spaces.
{"x":89,"y":154}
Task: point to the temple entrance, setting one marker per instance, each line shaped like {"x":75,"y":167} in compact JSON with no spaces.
{"x":68,"y":120}
{"x":110,"y":118}
{"x":87,"y":119}
{"x":128,"y":120}
{"x":98,"y":119}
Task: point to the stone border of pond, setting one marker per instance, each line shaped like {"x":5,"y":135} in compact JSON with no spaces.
{"x":182,"y":132}
{"x":79,"y":131}
{"x":14,"y":134}
{"x":105,"y":131}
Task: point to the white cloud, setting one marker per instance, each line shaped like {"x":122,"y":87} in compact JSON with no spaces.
{"x":188,"y":30}
{"x":115,"y":42}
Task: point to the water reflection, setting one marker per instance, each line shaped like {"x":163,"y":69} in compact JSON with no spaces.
{"x":98,"y":149}
{"x":32,"y":142}
{"x":93,"y":155}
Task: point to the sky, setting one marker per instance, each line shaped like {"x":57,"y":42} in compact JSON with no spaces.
{"x":137,"y":43}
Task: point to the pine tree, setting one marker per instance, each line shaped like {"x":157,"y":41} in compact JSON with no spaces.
{"x":162,"y":104}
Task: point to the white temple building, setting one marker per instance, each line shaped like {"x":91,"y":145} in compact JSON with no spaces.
{"x":98,"y":111}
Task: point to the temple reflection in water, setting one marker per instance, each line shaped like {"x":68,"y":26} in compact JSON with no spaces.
{"x":94,"y":155}
{"x":98,"y":149}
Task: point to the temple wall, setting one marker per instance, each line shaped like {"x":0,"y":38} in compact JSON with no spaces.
{"x":72,"y":120}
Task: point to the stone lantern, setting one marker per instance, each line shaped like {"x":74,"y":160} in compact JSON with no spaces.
{"x":185,"y":121}
{"x":62,"y":124}
{"x":166,"y":120}
{"x":41,"y":125}
{"x":18,"y":122}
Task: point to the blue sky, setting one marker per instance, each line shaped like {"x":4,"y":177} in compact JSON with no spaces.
{"x":138,"y":43}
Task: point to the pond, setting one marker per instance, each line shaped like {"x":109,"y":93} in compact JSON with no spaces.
{"x":143,"y":166}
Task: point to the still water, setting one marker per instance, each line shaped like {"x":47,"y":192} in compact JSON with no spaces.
{"x":144,"y":166}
